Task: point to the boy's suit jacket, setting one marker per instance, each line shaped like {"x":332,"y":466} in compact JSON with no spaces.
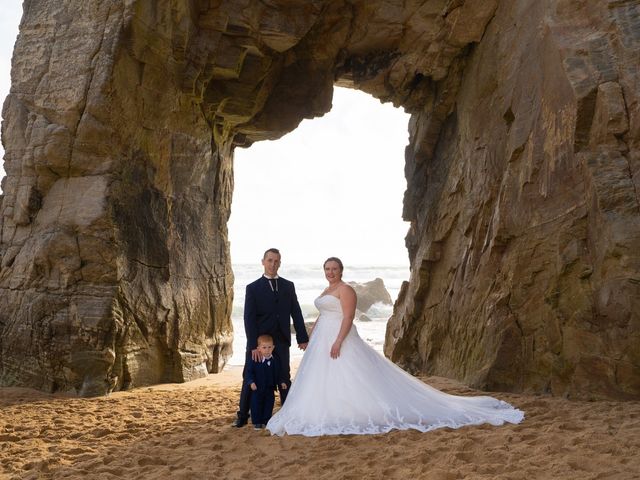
{"x":265,"y":374}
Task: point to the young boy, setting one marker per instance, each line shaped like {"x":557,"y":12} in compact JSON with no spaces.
{"x":263,"y":378}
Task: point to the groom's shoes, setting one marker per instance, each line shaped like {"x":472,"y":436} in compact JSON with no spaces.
{"x":258,"y":426}
{"x":239,"y":422}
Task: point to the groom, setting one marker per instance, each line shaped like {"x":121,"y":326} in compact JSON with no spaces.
{"x":269,"y":304}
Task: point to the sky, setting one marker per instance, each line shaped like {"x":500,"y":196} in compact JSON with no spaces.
{"x":332,"y":187}
{"x":10,"y":14}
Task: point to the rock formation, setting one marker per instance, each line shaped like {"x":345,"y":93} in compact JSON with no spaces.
{"x":371,"y":292}
{"x":525,"y":235}
{"x":522,"y":170}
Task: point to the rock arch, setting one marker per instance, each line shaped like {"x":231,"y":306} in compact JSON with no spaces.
{"x":522,"y":174}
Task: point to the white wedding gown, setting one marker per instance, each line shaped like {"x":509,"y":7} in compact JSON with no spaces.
{"x":361,"y":392}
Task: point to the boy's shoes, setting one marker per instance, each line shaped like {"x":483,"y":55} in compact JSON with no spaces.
{"x":259,"y":426}
{"x":239,"y":422}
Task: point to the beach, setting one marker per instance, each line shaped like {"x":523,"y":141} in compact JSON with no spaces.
{"x":183,"y":431}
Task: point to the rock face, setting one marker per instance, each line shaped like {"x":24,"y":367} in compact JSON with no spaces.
{"x":523,"y":176}
{"x":115,"y":265}
{"x":371,"y":292}
{"x":525,"y":233}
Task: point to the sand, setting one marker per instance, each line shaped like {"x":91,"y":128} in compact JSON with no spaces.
{"x":184,"y":432}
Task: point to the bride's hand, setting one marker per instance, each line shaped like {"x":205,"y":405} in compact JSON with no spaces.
{"x":335,"y":349}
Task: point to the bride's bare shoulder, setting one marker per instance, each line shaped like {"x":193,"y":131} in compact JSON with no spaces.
{"x":345,"y":288}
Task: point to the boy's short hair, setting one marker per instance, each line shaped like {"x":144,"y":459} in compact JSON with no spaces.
{"x":265,"y":339}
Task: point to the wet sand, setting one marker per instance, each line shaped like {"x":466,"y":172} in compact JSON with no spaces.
{"x":183,"y":431}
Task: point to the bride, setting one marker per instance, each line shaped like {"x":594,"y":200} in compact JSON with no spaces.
{"x":343,"y":386}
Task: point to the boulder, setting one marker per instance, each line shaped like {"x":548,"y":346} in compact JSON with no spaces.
{"x":371,"y":292}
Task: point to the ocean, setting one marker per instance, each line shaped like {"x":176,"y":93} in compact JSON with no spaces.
{"x":310,"y":282}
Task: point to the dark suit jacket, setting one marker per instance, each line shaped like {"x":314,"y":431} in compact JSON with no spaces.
{"x":266,"y":375}
{"x":268,"y":312}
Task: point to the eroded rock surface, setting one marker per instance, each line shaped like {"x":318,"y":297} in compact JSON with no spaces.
{"x":526,"y":233}
{"x":522,"y":171}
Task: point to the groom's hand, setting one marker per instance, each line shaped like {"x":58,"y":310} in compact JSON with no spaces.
{"x":303,"y":346}
{"x":255,"y":354}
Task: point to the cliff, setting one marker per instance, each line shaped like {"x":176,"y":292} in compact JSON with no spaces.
{"x":522,"y":170}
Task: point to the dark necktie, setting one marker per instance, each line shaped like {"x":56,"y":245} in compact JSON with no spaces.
{"x":274,"y":285}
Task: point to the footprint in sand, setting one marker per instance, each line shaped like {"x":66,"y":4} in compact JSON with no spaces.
{"x":101,"y":432}
{"x":144,"y":461}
